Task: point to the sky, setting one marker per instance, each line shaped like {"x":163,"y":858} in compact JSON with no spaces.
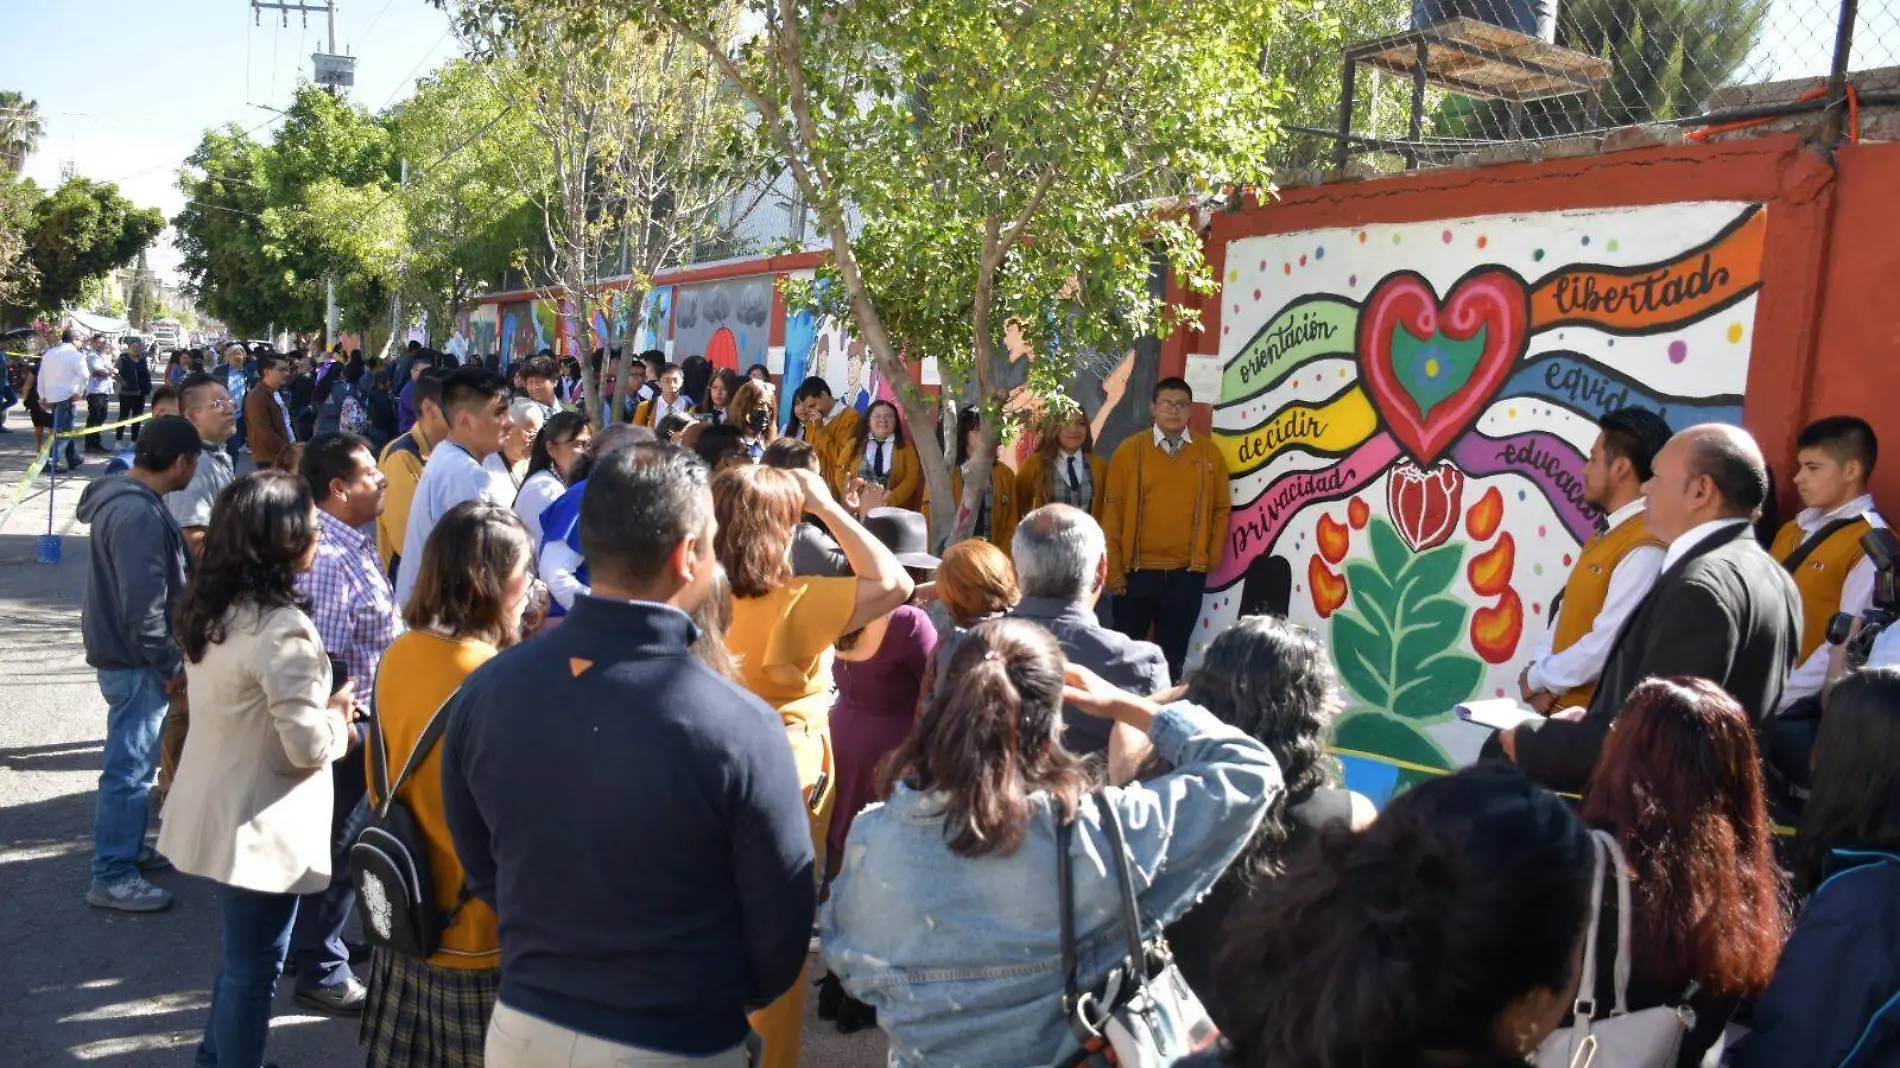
{"x":129,"y":106}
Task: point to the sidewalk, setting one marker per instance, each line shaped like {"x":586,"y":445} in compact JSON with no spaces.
{"x":84,"y":985}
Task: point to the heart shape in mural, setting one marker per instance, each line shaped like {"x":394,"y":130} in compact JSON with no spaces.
{"x":1431,"y":366}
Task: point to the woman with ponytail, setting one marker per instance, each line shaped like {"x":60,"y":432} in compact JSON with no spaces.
{"x":1446,"y":933}
{"x":946,"y":915}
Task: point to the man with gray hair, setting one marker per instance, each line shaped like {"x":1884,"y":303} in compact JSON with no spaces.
{"x":1061,"y":562}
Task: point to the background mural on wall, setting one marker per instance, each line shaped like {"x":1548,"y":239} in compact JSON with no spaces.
{"x":1406,"y":411}
{"x":728,"y":321}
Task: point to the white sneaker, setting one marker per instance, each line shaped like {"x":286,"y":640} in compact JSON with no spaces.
{"x":130,"y":894}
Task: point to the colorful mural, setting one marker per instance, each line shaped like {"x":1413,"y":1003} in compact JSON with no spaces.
{"x":728,"y":321}
{"x":1405,"y":411}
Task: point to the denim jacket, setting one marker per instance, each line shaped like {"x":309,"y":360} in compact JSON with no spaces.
{"x":961,"y":956}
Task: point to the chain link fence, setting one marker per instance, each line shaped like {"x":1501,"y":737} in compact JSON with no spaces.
{"x":1515,"y":79}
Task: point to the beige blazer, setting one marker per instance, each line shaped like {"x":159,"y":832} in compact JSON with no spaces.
{"x":250,"y":805}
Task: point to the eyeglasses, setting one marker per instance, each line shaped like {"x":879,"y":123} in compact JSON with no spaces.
{"x":1174,"y":405}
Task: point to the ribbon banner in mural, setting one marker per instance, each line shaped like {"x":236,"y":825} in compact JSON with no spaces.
{"x":1406,"y":411}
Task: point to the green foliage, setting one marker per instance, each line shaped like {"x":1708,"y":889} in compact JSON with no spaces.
{"x":1398,"y":646}
{"x":20,"y":130}
{"x":79,"y":232}
{"x":18,"y":277}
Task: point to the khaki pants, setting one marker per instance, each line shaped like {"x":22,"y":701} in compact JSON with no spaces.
{"x":779,"y":1024}
{"x":518,"y":1040}
{"x":171,"y":745}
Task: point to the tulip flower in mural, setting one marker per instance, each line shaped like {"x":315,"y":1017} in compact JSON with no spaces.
{"x":1424,"y":505}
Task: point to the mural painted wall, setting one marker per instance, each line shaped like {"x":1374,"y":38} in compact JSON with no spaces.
{"x":727,"y":321}
{"x":1406,"y":411}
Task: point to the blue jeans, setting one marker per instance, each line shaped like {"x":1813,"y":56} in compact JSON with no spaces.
{"x":256,"y":936}
{"x":135,"y":714}
{"x":316,"y":942}
{"x":63,"y":421}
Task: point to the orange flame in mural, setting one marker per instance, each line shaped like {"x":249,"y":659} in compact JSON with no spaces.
{"x":1495,"y":631}
{"x":1329,"y":590}
{"x":1357,"y":513}
{"x":1333,"y":538}
{"x":1482,"y":520}
{"x":1490,"y":571}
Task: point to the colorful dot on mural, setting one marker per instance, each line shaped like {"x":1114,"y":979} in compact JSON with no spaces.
{"x":1536,"y":609}
{"x":1287,"y":267}
{"x":1352,"y":280}
{"x":1445,"y":237}
{"x":1302,"y":261}
{"x":1500,"y":691}
{"x":1225,"y":329}
{"x":1678,"y":351}
{"x":1537,"y":254}
{"x":1396,"y":239}
{"x":1520,"y":495}
{"x":1734,"y":333}
{"x":1342,"y":372}
{"x":1586,"y":241}
{"x":1566,"y":559}
{"x":1542,"y":532}
{"x":1319,"y":253}
{"x":1512,"y":412}
{"x":1483,"y":240}
{"x":1236,"y":309}
{"x":1263,"y":265}
{"x":1256,"y":294}
{"x":1537,"y":569}
{"x":1362,"y":237}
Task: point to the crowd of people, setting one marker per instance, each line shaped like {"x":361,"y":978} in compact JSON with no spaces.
{"x":666,"y":705}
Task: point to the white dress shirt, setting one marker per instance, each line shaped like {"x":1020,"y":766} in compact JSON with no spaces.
{"x":1186,"y":436}
{"x":62,"y":375}
{"x":872,"y":446}
{"x":682,"y":405}
{"x":1583,"y":661}
{"x":1857,"y":592}
{"x":100,"y":361}
{"x":1695,"y":536}
{"x":1081,"y":495}
{"x":450,"y":477}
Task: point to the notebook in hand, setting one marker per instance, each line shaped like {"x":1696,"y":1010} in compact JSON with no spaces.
{"x":1497,"y":713}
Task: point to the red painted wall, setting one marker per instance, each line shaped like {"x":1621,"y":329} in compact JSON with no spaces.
{"x":1827,"y":326}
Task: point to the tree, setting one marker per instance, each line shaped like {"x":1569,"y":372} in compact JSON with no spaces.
{"x":141,"y":308}
{"x":641,"y":144}
{"x":1007,"y":163}
{"x":233,"y":269}
{"x":468,"y":216}
{"x":80,"y":232}
{"x":20,"y":129}
{"x":18,"y":277}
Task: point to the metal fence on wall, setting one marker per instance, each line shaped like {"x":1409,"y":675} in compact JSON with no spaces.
{"x":1478,"y":75}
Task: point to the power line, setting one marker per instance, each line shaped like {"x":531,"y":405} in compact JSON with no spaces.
{"x":410,"y":77}
{"x":377,"y":19}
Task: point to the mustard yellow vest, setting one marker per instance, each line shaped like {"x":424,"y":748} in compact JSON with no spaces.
{"x":1588,"y":587}
{"x":1821,"y":576}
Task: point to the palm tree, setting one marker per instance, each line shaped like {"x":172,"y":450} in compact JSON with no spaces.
{"x":20,"y":129}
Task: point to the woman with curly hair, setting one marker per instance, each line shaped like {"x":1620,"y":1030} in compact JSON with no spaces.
{"x":1274,"y":681}
{"x":250,"y":807}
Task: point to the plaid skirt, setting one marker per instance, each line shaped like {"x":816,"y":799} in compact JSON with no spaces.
{"x":422,"y":1016}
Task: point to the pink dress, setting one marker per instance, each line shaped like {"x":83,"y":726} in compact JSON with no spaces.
{"x":874,"y":713}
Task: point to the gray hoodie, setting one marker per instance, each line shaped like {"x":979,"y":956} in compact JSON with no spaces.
{"x":137,"y":572}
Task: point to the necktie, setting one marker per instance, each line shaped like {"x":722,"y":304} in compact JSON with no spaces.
{"x":1602,"y":525}
{"x":1075,"y":480}
{"x":877,"y":462}
{"x":1171,"y":446}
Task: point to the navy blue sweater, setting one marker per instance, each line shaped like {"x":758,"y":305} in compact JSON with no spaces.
{"x":636,"y":822}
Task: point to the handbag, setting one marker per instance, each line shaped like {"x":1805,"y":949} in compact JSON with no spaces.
{"x":1648,"y":1039}
{"x":1142,"y":1015}
{"x":395,"y":893}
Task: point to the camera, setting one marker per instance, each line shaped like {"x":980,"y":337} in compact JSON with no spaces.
{"x":1881,"y":547}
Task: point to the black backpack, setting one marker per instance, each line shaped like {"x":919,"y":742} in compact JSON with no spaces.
{"x":395,"y":895}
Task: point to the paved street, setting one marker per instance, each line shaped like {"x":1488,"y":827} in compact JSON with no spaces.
{"x":83,"y":986}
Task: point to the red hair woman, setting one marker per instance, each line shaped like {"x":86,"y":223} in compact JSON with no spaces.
{"x":1679,"y":784}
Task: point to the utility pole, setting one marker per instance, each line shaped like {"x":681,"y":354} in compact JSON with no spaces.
{"x":395,"y":299}
{"x":333,"y":71}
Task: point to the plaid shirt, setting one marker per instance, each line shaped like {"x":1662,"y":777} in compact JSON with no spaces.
{"x":350,"y":600}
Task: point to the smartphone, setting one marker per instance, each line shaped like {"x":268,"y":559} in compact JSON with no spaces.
{"x":339,"y":674}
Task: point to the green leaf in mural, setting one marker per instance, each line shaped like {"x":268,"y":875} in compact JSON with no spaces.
{"x":1399,"y":646}
{"x":1388,"y":551}
{"x":1380,"y":733}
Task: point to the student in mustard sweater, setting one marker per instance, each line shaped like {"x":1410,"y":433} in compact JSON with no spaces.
{"x":880,"y":455}
{"x":830,"y":425}
{"x":1064,"y":469}
{"x":1166,"y":521}
{"x":996,"y":513}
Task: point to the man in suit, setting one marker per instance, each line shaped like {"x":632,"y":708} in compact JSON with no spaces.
{"x":1722,"y":609}
{"x":1061,"y":559}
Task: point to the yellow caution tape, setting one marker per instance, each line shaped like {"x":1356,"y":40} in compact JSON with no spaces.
{"x":39,"y":460}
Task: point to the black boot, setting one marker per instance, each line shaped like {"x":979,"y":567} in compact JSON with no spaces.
{"x":855,"y":1016}
{"x":830,"y":997}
